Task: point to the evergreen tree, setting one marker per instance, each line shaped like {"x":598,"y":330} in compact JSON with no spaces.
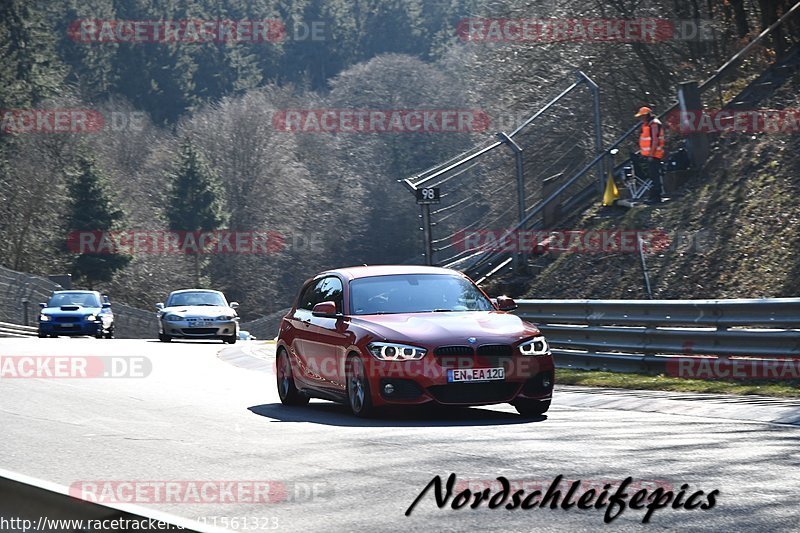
{"x":93,"y":210}
{"x":30,"y":69}
{"x":195,"y":202}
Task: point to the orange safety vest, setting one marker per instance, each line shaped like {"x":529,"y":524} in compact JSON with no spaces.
{"x":652,"y":130}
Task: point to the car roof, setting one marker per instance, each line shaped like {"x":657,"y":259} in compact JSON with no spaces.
{"x":366,"y":271}
{"x":76,"y":292}
{"x":195,"y":290}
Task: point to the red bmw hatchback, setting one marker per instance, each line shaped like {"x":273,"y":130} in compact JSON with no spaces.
{"x":374,"y":336}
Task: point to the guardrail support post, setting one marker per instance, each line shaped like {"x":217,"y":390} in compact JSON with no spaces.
{"x":25,"y":319}
{"x":426,"y":233}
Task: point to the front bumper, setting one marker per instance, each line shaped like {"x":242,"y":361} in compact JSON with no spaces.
{"x":211,"y":329}
{"x":419,"y":382}
{"x":70,"y":328}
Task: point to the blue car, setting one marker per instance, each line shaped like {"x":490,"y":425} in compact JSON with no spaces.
{"x":77,"y":313}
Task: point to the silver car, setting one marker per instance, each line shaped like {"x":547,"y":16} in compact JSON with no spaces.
{"x":197,"y":314}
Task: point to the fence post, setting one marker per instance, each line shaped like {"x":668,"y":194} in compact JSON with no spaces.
{"x":640,"y":246}
{"x":598,"y":128}
{"x":518,"y":156}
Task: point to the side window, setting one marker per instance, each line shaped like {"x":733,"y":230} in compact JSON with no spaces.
{"x":309,"y":296}
{"x":324,"y":290}
{"x":331,"y":291}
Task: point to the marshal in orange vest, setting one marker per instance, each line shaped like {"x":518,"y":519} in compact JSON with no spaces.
{"x":651,"y":140}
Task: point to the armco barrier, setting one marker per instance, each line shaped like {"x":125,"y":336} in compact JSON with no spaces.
{"x":28,"y":504}
{"x":648,"y":335}
{"x":15,"y":330}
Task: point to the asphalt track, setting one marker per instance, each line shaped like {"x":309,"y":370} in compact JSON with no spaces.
{"x":209,"y":412}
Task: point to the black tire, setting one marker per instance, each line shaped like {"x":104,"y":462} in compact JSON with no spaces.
{"x":532,"y":408}
{"x":230,"y":340}
{"x":164,"y":338}
{"x":110,"y":334}
{"x":53,"y":336}
{"x":42,"y":335}
{"x":287,"y":390}
{"x":99,"y":335}
{"x":358,"y":392}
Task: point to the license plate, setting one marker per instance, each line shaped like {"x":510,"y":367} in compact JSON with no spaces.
{"x":476,"y":374}
{"x":68,"y":325}
{"x":199,"y":324}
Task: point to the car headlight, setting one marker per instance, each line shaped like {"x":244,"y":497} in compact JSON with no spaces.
{"x":535,"y":346}
{"x":388,"y":351}
{"x":224,"y":317}
{"x":90,"y":318}
{"x":44,"y":318}
{"x":172,"y":318}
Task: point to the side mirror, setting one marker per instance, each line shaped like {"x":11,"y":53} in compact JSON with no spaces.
{"x":42,"y":305}
{"x":106,"y":305}
{"x":504,"y":303}
{"x":234,"y":305}
{"x":159,"y":305}
{"x":325,"y":309}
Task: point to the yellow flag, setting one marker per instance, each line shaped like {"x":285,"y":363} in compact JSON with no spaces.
{"x":611,"y":193}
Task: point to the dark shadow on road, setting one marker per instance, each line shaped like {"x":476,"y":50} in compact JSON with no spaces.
{"x":191,"y":341}
{"x":333,"y":414}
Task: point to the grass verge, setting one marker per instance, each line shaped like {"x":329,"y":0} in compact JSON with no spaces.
{"x":782,"y":389}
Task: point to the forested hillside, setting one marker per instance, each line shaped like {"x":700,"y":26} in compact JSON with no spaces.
{"x":205,"y":112}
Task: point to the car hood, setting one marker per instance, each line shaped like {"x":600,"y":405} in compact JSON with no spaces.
{"x":71,"y":310}
{"x":448,"y":328}
{"x":199,"y":310}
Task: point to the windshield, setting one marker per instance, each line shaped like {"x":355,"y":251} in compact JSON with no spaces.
{"x":83,"y":299}
{"x":415,"y":293}
{"x":196,"y":298}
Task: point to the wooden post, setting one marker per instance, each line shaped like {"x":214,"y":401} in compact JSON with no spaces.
{"x":689,"y":102}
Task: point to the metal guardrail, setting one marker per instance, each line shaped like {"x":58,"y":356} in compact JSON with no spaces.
{"x":15,"y":330}
{"x":648,"y":335}
{"x":30,"y":504}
